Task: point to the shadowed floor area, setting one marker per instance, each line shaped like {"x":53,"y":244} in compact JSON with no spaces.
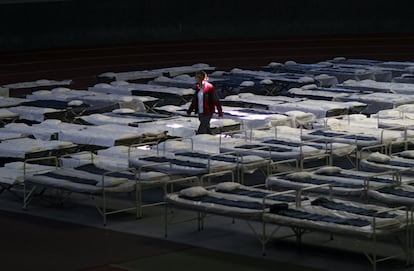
{"x":33,"y":243}
{"x":46,"y":244}
{"x":207,"y":260}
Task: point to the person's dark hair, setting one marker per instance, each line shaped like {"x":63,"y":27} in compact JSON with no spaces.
{"x":201,"y":74}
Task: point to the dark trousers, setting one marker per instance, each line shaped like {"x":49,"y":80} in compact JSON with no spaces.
{"x":204,"y":127}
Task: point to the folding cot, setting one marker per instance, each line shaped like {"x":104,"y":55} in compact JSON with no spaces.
{"x":10,"y":101}
{"x":251,"y":100}
{"x":21,"y":89}
{"x":396,"y":68}
{"x":340,"y":73}
{"x":45,"y":130}
{"x":83,"y":102}
{"x":401,"y":111}
{"x":266,"y":208}
{"x":96,"y":183}
{"x":171,"y":119}
{"x":375,"y":87}
{"x":282,"y":104}
{"x":197,"y":155}
{"x":372,"y":227}
{"x":106,"y":93}
{"x":196,"y":163}
{"x":380,"y":74}
{"x":345,"y":73}
{"x":363,"y":143}
{"x":186,"y":81}
{"x":233,"y":83}
{"x":167,"y":95}
{"x":320,"y":93}
{"x":294,"y":67}
{"x":358,"y":136}
{"x":276,"y":150}
{"x":34,"y":114}
{"x":332,"y":149}
{"x":379,"y":101}
{"x":314,"y":92}
{"x":408,"y":65}
{"x":248,"y":118}
{"x":172,"y":164}
{"x":391,"y":131}
{"x":343,"y":182}
{"x":116,"y":159}
{"x":358,"y":61}
{"x":395,"y":195}
{"x":404,"y":78}
{"x":89,"y":136}
{"x":260,"y":82}
{"x":283,"y":142}
{"x":145,"y":75}
{"x":399,"y":118}
{"x":378,"y":162}
{"x":24,"y":148}
{"x":6,"y":135}
{"x":287,"y":80}
{"x":394,"y":119}
{"x":12,"y":175}
{"x":126,"y":117}
{"x":106,"y":135}
{"x":180,"y":81}
{"x":7,"y":116}
{"x":319,"y":108}
{"x":253,"y":118}
{"x":55,"y":109}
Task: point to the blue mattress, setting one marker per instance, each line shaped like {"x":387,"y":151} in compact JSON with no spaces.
{"x":338,"y":206}
{"x":229,"y":202}
{"x":158,"y":159}
{"x":207,"y":156}
{"x":260,"y":194}
{"x":357,"y":222}
{"x":397,"y":192}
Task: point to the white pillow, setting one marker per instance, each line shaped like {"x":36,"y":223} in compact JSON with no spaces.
{"x":60,"y":90}
{"x":119,"y":83}
{"x":310,"y":86}
{"x":123,"y":111}
{"x":53,"y":122}
{"x":328,"y":170}
{"x":378,"y":157}
{"x":299,"y":176}
{"x":306,"y":79}
{"x":75,"y":103}
{"x":227,"y":186}
{"x":266,"y":82}
{"x":275,"y":64}
{"x":322,"y":76}
{"x":246,"y":95}
{"x":17,"y":165}
{"x":247,"y":84}
{"x":195,"y":191}
{"x":30,"y":168}
{"x":111,"y":181}
{"x":407,"y":154}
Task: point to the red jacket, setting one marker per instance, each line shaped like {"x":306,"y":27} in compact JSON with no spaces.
{"x":211,"y":100}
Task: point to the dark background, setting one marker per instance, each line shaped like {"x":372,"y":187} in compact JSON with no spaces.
{"x":57,"y":24}
{"x":78,"y":40}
